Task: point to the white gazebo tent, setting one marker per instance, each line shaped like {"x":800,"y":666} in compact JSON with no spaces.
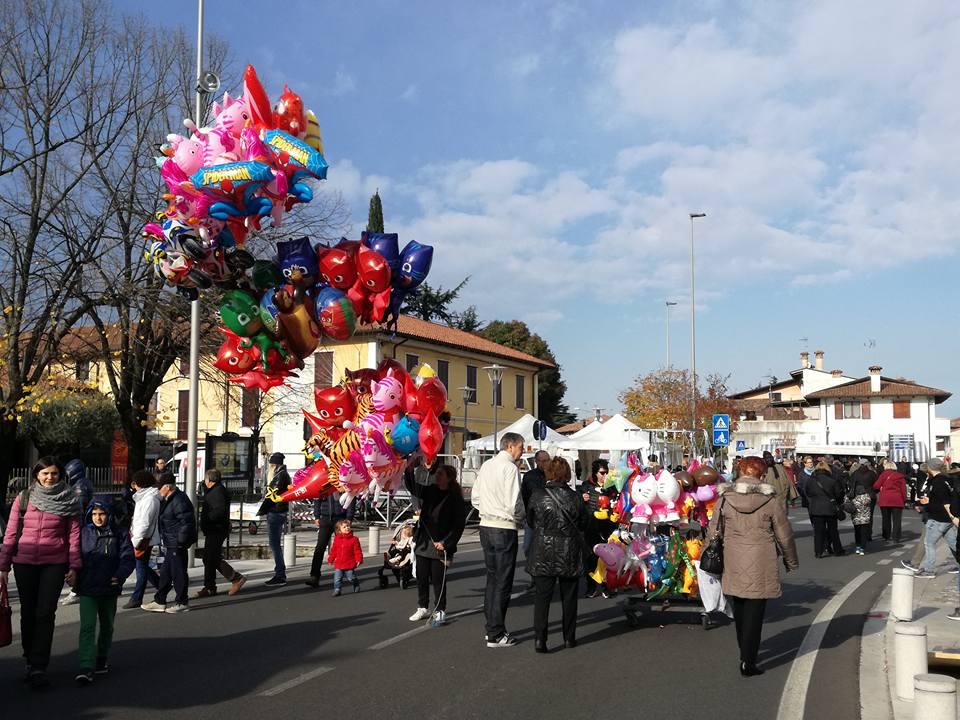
{"x":523,"y":426}
{"x":616,"y":435}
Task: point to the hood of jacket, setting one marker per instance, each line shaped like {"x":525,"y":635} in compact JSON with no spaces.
{"x":98,"y":504}
{"x":747,"y":496}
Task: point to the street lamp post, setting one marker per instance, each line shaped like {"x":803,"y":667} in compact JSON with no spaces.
{"x":693,"y":329}
{"x":467,"y":394}
{"x":495,"y":373}
{"x":669,"y":305}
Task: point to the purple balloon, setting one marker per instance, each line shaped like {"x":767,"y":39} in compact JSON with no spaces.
{"x":415,"y":262}
{"x":387,"y":244}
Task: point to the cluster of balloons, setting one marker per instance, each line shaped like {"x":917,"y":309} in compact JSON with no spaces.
{"x":252,"y":162}
{"x":284,"y":307}
{"x":659,"y":563}
{"x":365,"y":429}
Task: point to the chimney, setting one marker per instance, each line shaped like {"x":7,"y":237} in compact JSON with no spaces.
{"x":804,"y":359}
{"x":875,"y":378}
{"x":818,"y":359}
{"x":836,"y":373}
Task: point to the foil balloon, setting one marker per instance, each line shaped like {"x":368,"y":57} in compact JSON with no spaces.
{"x":358,"y":381}
{"x":337,"y":268}
{"x":411,"y":401}
{"x":335,"y":313}
{"x":431,"y":396}
{"x":269,"y":312}
{"x":389,"y":367}
{"x":313,"y":138}
{"x":234,"y":187}
{"x":233,"y":358}
{"x":405,"y":437}
{"x":415,"y":262}
{"x":298,"y":161}
{"x":430,"y":436}
{"x":265,"y":274}
{"x":705,"y":475}
{"x":289,"y":115}
{"x":316,"y":484}
{"x":335,"y":406}
{"x":298,"y":262}
{"x":387,"y":245}
{"x":372,"y":270}
{"x":256,"y":98}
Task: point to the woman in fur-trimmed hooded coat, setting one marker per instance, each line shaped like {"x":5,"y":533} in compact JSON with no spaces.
{"x":755,"y":531}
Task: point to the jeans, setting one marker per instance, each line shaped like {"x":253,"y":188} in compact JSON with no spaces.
{"x":936,"y":531}
{"x":275,"y":523}
{"x":500,"y":557}
{"x":39,"y":587}
{"x":324,"y":533}
{"x":173,"y":573}
{"x":861,"y":533}
{"x":145,"y":574}
{"x":93,"y":647}
{"x":431,"y":571}
{"x":340,"y":575}
{"x":569,"y":586}
{"x":892,"y":518}
{"x":213,"y":561}
{"x":748,"y":616}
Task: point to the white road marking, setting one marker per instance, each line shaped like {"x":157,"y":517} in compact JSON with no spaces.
{"x":886,"y":561}
{"x":897,"y":553}
{"x":794,"y":698}
{"x":299,"y":680}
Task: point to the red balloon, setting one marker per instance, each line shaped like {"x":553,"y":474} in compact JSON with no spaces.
{"x":316,"y":485}
{"x":432,"y":396}
{"x":337,"y":268}
{"x":389,"y":367}
{"x":257,"y":379}
{"x":233,"y":358}
{"x":373,"y":270}
{"x":288,"y":115}
{"x":431,"y":436}
{"x":256,"y":98}
{"x":411,"y":403}
{"x":335,"y":405}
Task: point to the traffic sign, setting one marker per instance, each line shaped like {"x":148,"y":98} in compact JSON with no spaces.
{"x":540,"y":430}
{"x":741,"y":445}
{"x":721,"y":422}
{"x":720,"y":437}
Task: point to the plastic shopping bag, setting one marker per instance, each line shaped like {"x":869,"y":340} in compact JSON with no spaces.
{"x":711,"y":594}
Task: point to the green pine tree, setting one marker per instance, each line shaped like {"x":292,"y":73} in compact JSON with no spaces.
{"x":375,"y":216}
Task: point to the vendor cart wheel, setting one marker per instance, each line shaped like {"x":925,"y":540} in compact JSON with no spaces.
{"x":252,"y":528}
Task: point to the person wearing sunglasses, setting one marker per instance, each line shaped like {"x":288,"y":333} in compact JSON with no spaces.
{"x":597,"y":530}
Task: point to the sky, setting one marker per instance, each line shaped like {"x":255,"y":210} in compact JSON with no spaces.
{"x":553,"y":151}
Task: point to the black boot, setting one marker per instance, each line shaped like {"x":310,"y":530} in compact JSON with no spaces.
{"x":749,"y":670}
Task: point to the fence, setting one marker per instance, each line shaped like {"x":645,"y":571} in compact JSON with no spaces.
{"x":103,"y":479}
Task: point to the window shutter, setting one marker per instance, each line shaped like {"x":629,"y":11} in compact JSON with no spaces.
{"x":838,"y":410}
{"x":865,"y":410}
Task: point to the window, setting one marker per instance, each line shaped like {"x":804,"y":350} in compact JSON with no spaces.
{"x":412,"y":361}
{"x":323,"y":369}
{"x":521,"y":394}
{"x":775,"y":397}
{"x":83,"y":370}
{"x":901,"y":409}
{"x":183,"y":414}
{"x":249,"y":405}
{"x":184,"y":367}
{"x":443,"y":372}
{"x":472,"y":382}
{"x":848,"y":411}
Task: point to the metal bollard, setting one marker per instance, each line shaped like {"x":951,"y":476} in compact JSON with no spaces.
{"x":290,"y":549}
{"x":373,"y":540}
{"x":910,"y":656}
{"x":901,"y":596}
{"x":935,"y":697}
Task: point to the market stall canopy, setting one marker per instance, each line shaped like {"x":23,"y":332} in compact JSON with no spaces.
{"x":523,"y":426}
{"x":617,"y":434}
{"x":586,"y":430}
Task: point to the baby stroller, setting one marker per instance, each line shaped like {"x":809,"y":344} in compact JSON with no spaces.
{"x":398,"y":558}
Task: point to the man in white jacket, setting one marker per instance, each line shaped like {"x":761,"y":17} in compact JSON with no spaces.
{"x":496,"y":496}
{"x":144,"y":531}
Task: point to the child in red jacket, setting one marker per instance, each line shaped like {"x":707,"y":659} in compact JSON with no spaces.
{"x":345,"y":556}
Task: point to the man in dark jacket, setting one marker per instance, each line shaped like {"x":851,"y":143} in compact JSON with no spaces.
{"x":326,"y":513}
{"x":215,"y":526}
{"x":178,"y":531}
{"x":276,"y":513}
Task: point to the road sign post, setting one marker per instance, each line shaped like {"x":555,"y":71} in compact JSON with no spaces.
{"x":721,"y":430}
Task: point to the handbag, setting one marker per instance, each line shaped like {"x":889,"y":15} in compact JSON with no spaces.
{"x":841,"y":515}
{"x":849,"y":507}
{"x":6,"y":618}
{"x":711,"y":559}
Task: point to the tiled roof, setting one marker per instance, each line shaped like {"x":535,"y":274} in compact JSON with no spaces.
{"x":570,"y":428}
{"x":765,"y":388}
{"x":888,"y":388}
{"x":416,"y":328}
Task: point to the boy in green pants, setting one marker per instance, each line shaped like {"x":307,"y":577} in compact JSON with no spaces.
{"x":107,"y":561}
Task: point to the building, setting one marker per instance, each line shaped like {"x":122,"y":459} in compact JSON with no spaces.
{"x":457,"y":357}
{"x":576,"y":425}
{"x":822,"y":412}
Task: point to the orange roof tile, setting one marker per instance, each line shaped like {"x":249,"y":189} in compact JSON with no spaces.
{"x":888,"y":388}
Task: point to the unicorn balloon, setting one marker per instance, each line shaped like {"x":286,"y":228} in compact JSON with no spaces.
{"x":385,"y":468}
{"x":387,"y":404}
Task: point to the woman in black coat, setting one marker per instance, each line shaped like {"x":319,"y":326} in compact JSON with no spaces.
{"x":558,"y":517}
{"x":442,"y":519}
{"x":824,"y":499}
{"x":597,"y":531}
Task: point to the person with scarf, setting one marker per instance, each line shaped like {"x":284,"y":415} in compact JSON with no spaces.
{"x":42,"y":544}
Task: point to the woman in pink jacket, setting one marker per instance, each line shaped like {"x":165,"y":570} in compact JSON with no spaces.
{"x":42,"y":543}
{"x":892,"y":488}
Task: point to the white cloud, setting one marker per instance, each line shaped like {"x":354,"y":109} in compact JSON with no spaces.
{"x":410,"y":93}
{"x":525,"y":65}
{"x":343,"y":83}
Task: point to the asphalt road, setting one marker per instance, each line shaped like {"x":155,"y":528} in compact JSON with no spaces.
{"x":295,"y":652}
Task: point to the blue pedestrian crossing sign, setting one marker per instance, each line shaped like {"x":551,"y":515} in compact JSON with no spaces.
{"x":721,"y":430}
{"x":741,"y":445}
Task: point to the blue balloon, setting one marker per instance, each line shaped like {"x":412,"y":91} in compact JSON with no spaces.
{"x":269,"y":311}
{"x":327,"y":296}
{"x":406,"y":436}
{"x":388,"y":245}
{"x":415,"y":262}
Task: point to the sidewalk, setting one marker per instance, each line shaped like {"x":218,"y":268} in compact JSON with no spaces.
{"x":933,"y":600}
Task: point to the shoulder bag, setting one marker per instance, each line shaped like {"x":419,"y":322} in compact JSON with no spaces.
{"x":711,"y":559}
{"x":841,"y":515}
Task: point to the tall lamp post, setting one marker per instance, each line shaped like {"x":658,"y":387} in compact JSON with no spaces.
{"x":495,"y":373}
{"x":669,"y":305}
{"x":467,"y":394}
{"x":693,"y":330}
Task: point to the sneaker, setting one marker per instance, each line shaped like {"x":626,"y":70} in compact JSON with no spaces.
{"x":356,"y":587}
{"x":178,"y":608}
{"x":439,"y":618}
{"x":420,"y":614}
{"x":103,"y":667}
{"x":908,"y":566}
{"x":923,"y":574}
{"x":206,"y":592}
{"x":276,"y":582}
{"x":505,"y":641}
{"x":236,"y":585}
{"x":130,"y":604}
{"x":955,"y":615}
{"x":84,"y":677}
{"x":859,"y":551}
{"x":70,"y":599}
{"x":38,"y":679}
{"x":154,"y":607}
{"x":955,"y":571}
{"x":336,"y":592}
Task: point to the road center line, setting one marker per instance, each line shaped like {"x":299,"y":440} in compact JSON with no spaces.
{"x":885,"y":561}
{"x":794,"y":698}
{"x":299,"y":680}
